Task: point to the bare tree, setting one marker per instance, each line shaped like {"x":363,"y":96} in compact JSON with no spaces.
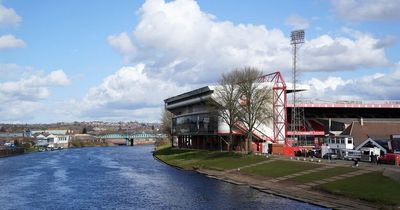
{"x":166,"y":124}
{"x":256,"y":101}
{"x":227,"y":102}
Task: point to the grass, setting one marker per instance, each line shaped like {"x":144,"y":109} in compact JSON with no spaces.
{"x":371,"y":187}
{"x":331,"y":172}
{"x":189,"y":159}
{"x":163,"y":146}
{"x":280,"y":168}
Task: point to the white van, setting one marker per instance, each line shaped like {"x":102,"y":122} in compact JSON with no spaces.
{"x":350,"y":154}
{"x":367,"y":152}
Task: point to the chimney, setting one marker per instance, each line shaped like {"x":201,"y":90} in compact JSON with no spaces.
{"x":362,"y":121}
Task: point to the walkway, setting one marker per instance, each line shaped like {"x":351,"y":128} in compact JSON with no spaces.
{"x":302,"y":192}
{"x":251,"y":165}
{"x":302,"y":173}
{"x":335,"y":178}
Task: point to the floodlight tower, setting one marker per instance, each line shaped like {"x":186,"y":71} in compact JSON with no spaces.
{"x":297,"y":118}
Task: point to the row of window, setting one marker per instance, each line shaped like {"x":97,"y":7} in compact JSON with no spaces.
{"x":51,"y":140}
{"x":199,"y":123}
{"x":338,"y":140}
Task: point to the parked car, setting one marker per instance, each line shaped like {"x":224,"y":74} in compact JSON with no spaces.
{"x":331,"y":156}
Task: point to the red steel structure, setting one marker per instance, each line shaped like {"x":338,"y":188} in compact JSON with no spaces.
{"x":279,"y":105}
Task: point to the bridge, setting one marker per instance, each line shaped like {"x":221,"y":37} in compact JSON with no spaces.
{"x":130,"y":139}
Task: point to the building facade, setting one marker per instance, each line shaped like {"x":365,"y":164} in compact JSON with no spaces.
{"x":196,"y":126}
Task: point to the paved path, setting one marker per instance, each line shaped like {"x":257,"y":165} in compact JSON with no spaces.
{"x":302,"y":192}
{"x":289,"y":191}
{"x":251,"y":165}
{"x":335,"y":178}
{"x":301,"y":173}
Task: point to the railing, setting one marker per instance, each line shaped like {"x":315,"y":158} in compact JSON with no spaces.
{"x":123,"y":136}
{"x":320,"y":101}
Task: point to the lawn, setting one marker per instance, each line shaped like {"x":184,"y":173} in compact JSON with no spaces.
{"x":372,"y":187}
{"x":331,"y":172}
{"x":280,"y":168}
{"x":189,"y":159}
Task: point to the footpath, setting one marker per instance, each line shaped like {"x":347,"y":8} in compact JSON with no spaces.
{"x":301,"y":192}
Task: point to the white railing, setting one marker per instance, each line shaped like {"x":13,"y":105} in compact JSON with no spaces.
{"x":320,"y":101}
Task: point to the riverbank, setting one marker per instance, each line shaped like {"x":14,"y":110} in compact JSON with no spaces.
{"x":73,"y":144}
{"x":330,"y":184}
{"x":11,"y":152}
{"x":83,"y":143}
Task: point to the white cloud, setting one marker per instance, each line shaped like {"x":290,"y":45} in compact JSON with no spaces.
{"x":386,"y":41}
{"x":19,"y":111}
{"x":366,"y":10}
{"x":377,"y":86}
{"x":175,"y":46}
{"x":122,"y":44}
{"x":297,"y":22}
{"x":8,"y":17}
{"x":326,"y":53}
{"x":22,"y":97}
{"x":129,"y":94}
{"x":177,"y":40}
{"x":8,"y":68}
{"x":57,"y":78}
{"x":32,"y":88}
{"x":9,"y":41}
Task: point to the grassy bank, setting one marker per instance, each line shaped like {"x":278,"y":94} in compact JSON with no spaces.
{"x":189,"y":159}
{"x":280,"y":168}
{"x":328,"y":173}
{"x":373,"y":187}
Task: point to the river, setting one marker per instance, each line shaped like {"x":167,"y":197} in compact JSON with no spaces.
{"x":119,"y":178}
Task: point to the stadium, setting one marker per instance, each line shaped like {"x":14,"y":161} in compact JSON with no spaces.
{"x":326,"y":126}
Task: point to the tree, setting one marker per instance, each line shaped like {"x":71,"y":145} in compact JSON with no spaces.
{"x":226,"y":104}
{"x":166,"y":124}
{"x":84,"y":130}
{"x":256,"y":101}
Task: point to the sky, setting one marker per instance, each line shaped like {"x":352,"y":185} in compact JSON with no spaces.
{"x":118,"y":60}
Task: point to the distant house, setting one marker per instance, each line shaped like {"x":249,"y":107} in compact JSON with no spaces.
{"x":395,"y":143}
{"x":20,"y":137}
{"x":335,"y":144}
{"x":378,"y":144}
{"x":58,"y":140}
{"x":41,"y":141}
{"x":362,"y":130}
{"x":52,"y":140}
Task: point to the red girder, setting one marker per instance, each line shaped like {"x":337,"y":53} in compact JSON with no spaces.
{"x":276,"y":78}
{"x":279,"y":104}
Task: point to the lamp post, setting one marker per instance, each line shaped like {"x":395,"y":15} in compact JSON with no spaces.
{"x":297,"y":118}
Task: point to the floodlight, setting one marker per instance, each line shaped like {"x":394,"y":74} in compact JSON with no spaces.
{"x":297,"y":37}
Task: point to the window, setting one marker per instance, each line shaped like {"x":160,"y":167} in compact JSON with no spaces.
{"x":197,"y":123}
{"x":350,"y":140}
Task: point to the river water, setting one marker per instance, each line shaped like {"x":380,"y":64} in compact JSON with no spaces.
{"x":119,"y":178}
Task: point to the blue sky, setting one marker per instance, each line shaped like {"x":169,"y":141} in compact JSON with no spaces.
{"x":117,"y":61}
